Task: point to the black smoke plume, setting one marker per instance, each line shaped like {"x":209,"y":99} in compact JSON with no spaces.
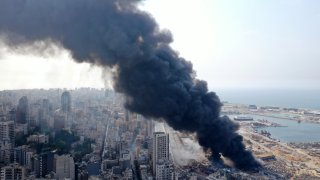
{"x":157,"y":82}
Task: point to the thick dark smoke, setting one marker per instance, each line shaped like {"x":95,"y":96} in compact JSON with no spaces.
{"x":156,"y":81}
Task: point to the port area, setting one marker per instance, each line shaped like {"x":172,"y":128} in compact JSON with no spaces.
{"x":288,"y":160}
{"x":292,"y":160}
{"x":294,"y":114}
{"x":280,"y":160}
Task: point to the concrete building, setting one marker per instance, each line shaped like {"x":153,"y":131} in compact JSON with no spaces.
{"x":23,"y":110}
{"x":44,"y":115}
{"x":64,"y":167}
{"x":143,"y":171}
{"x":7,"y":135}
{"x":28,"y":160}
{"x":59,"y":121}
{"x":40,"y":138}
{"x":160,"y":149}
{"x":127,"y":115}
{"x":42,"y":164}
{"x":150,"y":127}
{"x":124,"y":161}
{"x":46,"y":163}
{"x":66,"y":101}
{"x":35,"y":113}
{"x":164,"y":170}
{"x":45,"y":107}
{"x":20,"y":154}
{"x":12,"y":115}
{"x":13,"y":172}
{"x":6,"y":149}
{"x":127,"y":174}
{"x":7,"y":131}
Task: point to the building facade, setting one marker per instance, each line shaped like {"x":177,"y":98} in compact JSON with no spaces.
{"x":66,"y":101}
{"x":7,"y":131}
{"x":160,"y":154}
{"x":164,"y":170}
{"x":23,"y":110}
{"x":64,"y":167}
{"x":13,"y":172}
{"x":7,"y":136}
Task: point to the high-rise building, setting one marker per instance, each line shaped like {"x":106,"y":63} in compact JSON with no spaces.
{"x":7,"y":131}
{"x":13,"y":171}
{"x":66,"y":101}
{"x":6,"y":152}
{"x":46,"y":163}
{"x":162,"y":167}
{"x":143,"y":171}
{"x":59,"y":121}
{"x":164,"y":170}
{"x":12,"y":116}
{"x":28,"y":159}
{"x":7,"y":136}
{"x":44,"y":115}
{"x":20,"y":154}
{"x":35,"y":112}
{"x":124,"y":160}
{"x":45,"y":106}
{"x":64,"y":167}
{"x":160,"y":149}
{"x":150,"y":127}
{"x":127,"y":115}
{"x":43,"y":164}
{"x":2,"y":110}
{"x":23,"y":110}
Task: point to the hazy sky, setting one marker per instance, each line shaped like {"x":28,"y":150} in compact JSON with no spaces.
{"x":232,"y":43}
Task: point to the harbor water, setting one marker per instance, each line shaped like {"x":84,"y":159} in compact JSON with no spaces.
{"x":292,"y":131}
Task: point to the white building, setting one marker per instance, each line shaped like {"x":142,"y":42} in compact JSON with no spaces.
{"x":64,"y":167}
{"x":41,"y":138}
{"x":161,"y":166}
{"x":29,"y":155}
{"x":164,"y":170}
{"x":6,"y":140}
{"x":13,"y":171}
{"x":160,"y":149}
{"x":7,"y":130}
{"x":144,"y":171}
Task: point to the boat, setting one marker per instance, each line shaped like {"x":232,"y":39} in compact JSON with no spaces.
{"x":243,"y":118}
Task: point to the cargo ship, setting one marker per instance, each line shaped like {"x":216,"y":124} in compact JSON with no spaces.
{"x":243,"y":118}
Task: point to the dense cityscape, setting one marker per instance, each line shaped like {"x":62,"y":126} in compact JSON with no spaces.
{"x":159,"y":90}
{"x":88,"y":134}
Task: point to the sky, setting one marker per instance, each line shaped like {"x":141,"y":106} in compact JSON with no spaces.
{"x":232,"y":44}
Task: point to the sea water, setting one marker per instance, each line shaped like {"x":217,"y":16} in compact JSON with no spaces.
{"x":292,"y":131}
{"x":290,"y":98}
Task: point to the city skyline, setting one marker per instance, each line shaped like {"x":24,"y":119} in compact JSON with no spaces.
{"x":117,"y":89}
{"x":100,"y":138}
